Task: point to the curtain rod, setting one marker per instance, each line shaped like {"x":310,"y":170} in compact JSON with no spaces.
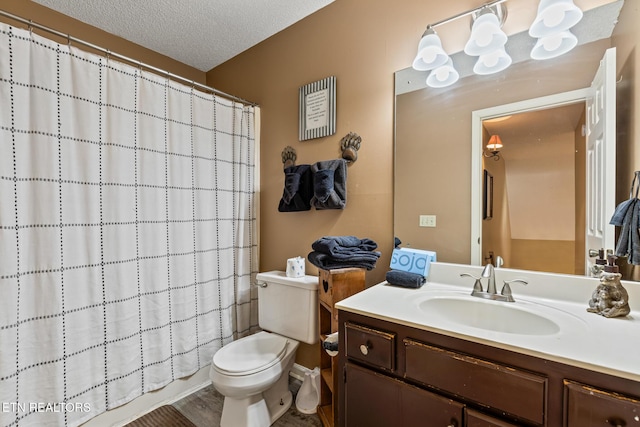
{"x":107,"y":52}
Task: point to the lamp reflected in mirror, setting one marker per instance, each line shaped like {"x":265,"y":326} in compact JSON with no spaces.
{"x":493,"y":147}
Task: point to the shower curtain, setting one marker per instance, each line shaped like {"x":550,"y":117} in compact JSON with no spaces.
{"x":127,"y":230}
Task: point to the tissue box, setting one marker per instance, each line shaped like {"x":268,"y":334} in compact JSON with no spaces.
{"x":295,"y":267}
{"x":412,"y":260}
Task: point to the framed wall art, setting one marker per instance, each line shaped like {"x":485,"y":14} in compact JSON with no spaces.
{"x":317,"y":109}
{"x":487,"y":193}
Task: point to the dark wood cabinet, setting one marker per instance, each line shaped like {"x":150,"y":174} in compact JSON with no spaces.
{"x":508,"y":389}
{"x":587,"y":406}
{"x":377,"y":400}
{"x":398,"y":375}
{"x":478,"y":419}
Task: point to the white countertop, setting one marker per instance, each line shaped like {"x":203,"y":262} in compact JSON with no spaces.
{"x":586,"y":340}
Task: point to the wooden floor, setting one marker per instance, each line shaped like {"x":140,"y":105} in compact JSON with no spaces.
{"x":204,"y":409}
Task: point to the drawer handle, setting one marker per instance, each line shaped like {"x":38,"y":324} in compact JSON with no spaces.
{"x":364,"y":349}
{"x":616,"y":422}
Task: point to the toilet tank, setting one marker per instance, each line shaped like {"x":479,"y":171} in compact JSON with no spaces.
{"x":288,"y":306}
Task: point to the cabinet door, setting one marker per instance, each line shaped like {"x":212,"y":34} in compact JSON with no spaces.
{"x":478,"y":419}
{"x":376,"y":400}
{"x":587,"y":406}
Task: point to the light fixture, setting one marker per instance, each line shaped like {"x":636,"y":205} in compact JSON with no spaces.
{"x":443,"y":76}
{"x":554,"y":16}
{"x":554,"y":45}
{"x":431,"y":56}
{"x":486,"y":34}
{"x":430,"y":52}
{"x":493,"y":146}
{"x":551,"y":27}
{"x":493,"y":62}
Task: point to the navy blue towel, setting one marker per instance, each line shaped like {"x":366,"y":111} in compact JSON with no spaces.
{"x":343,"y":247}
{"x":329,"y":184}
{"x":298,"y":189}
{"x":404,"y":278}
{"x":327,"y":262}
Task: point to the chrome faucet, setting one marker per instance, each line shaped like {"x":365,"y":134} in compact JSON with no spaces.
{"x":488,"y":272}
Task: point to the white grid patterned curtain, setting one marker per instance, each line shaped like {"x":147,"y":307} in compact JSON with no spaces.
{"x":127,"y":230}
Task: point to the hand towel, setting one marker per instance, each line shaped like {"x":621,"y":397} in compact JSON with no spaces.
{"x":298,"y":189}
{"x":329,"y":184}
{"x":405,"y":279}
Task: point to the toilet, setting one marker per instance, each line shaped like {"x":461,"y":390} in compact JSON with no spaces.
{"x":252,"y":373}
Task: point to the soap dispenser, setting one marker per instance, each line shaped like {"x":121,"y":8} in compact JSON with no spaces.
{"x":598,"y":267}
{"x":610,"y":298}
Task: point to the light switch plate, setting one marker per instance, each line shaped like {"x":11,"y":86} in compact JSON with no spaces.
{"x":427,"y":220}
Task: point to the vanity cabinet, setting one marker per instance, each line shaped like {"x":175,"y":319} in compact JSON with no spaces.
{"x":397,"y":375}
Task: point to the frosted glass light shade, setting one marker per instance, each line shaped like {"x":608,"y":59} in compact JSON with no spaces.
{"x":430,"y":52}
{"x":443,"y":76}
{"x":493,"y":62}
{"x":554,"y":45}
{"x":486,"y":35}
{"x":554,"y":16}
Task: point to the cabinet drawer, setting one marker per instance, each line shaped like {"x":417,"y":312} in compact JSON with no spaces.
{"x":587,"y":406}
{"x":373,"y":399}
{"x":503,"y":388}
{"x":478,"y":419}
{"x":371,"y":346}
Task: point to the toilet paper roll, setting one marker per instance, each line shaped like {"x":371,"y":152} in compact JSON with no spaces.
{"x":330,"y":344}
{"x":295,"y":267}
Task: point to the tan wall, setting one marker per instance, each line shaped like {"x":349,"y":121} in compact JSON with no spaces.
{"x":27,"y":9}
{"x":543,"y":255}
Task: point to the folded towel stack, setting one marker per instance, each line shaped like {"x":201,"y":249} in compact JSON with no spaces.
{"x":405,"y":278}
{"x":333,"y":252}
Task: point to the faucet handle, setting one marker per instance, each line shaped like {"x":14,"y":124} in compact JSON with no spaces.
{"x":506,"y":289}
{"x":477,"y":286}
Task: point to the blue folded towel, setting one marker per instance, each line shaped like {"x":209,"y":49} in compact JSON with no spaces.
{"x":404,"y":278}
{"x":327,"y":262}
{"x":343,"y":246}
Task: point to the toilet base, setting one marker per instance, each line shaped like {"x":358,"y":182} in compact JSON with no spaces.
{"x":249,"y":411}
{"x":253,"y":411}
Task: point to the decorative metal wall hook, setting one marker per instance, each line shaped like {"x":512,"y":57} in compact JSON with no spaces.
{"x":289,"y":156}
{"x":350,"y":144}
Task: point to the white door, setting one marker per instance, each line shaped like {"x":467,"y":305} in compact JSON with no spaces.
{"x":601,"y":158}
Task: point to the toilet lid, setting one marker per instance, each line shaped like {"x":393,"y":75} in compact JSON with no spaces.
{"x":250,"y":354}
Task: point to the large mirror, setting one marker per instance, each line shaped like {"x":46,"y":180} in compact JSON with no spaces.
{"x":433,"y":160}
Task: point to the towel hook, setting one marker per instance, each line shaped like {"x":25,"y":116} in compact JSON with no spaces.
{"x":289,"y":156}
{"x":350,"y":144}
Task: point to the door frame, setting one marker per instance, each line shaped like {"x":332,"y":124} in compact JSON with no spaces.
{"x":477,"y":117}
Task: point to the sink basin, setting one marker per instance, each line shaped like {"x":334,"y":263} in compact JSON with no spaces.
{"x":509,"y":318}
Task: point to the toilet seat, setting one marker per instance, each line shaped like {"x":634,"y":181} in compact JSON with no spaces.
{"x":250,"y":354}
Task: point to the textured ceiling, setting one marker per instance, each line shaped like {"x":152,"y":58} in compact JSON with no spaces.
{"x":199,"y":33}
